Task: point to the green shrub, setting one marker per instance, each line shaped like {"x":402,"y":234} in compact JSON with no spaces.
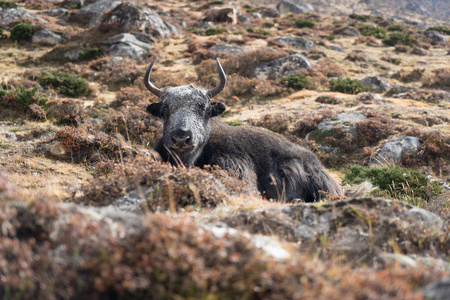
{"x":302,"y":23}
{"x":442,"y":29}
{"x":369,"y":30}
{"x":90,"y":53}
{"x":297,"y":81}
{"x":347,"y":86}
{"x":65,"y":83}
{"x":25,"y":97}
{"x":395,"y":181}
{"x":257,"y":30}
{"x":210,"y":31}
{"x":22,"y":31}
{"x":397,"y":37}
{"x":7,"y":4}
{"x":328,"y":37}
{"x":268,"y":24}
{"x":396,"y":27}
{"x":360,"y":17}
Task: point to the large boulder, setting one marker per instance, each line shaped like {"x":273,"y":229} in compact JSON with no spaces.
{"x":435,"y":37}
{"x":393,"y":151}
{"x":127,"y":45}
{"x":45,"y":37}
{"x":297,"y":42}
{"x":8,"y":15}
{"x":346,"y":121}
{"x":295,"y":7}
{"x":278,"y":68}
{"x":133,"y":17}
{"x":90,"y":15}
{"x":231,"y":49}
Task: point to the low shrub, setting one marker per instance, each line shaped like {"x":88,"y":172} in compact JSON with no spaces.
{"x":302,"y":23}
{"x":7,"y":4}
{"x":395,"y":181}
{"x":399,"y":38}
{"x":21,"y":98}
{"x":2,"y":35}
{"x":67,"y":84}
{"x":369,"y":30}
{"x":22,"y":31}
{"x":396,"y":27}
{"x":347,"y":86}
{"x":90,"y":53}
{"x":442,"y":29}
{"x":297,"y":81}
{"x":438,"y":79}
{"x":210,"y":31}
{"x":360,"y":17}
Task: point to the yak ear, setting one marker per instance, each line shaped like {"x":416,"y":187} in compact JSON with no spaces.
{"x":154,"y":109}
{"x":217,"y":108}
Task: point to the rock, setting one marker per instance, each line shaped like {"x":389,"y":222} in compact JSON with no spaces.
{"x":348,"y":31}
{"x":399,"y":89}
{"x":296,"y":7}
{"x":298,"y":42}
{"x":221,"y":15}
{"x":8,"y":135}
{"x":73,"y":55}
{"x":437,"y":290}
{"x":278,"y":68}
{"x":90,"y":15}
{"x":435,"y":37}
{"x":127,"y":45}
{"x":57,"y":12}
{"x":393,"y":151}
{"x":227,"y":49}
{"x":45,"y":37}
{"x":256,"y":15}
{"x":426,"y":219}
{"x":131,"y":202}
{"x":375,"y":84}
{"x":133,"y":17}
{"x":356,"y":227}
{"x":8,"y":15}
{"x":417,"y":8}
{"x":269,"y":12}
{"x":345,"y":120}
{"x":419,"y":51}
{"x":244,"y":19}
{"x":54,"y":148}
{"x":336,"y":48}
{"x":329,"y":100}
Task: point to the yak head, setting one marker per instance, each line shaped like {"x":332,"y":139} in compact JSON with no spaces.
{"x":186,"y":112}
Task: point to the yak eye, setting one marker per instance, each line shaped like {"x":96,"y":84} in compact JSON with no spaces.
{"x":165,"y":111}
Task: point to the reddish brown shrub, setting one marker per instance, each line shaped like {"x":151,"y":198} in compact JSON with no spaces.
{"x":66,"y":110}
{"x":330,"y":68}
{"x":439,"y":78}
{"x":371,"y":131}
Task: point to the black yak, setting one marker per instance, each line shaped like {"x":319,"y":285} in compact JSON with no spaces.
{"x":280,"y":169}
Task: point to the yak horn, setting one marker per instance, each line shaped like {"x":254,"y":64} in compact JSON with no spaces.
{"x":148,"y":84}
{"x":223,"y":80}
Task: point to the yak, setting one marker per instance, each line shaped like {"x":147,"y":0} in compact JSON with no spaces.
{"x":192,"y":136}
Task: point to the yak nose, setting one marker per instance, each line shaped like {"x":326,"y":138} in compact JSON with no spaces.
{"x":181,"y":138}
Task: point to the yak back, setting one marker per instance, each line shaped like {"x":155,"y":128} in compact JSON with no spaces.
{"x":280,"y":168}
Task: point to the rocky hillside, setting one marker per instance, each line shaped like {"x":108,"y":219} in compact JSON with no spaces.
{"x":88,"y":211}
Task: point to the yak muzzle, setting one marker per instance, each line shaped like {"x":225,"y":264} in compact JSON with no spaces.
{"x":181,"y":140}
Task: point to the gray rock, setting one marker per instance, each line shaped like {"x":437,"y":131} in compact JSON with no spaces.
{"x":57,"y":12}
{"x":336,"y":48}
{"x":227,"y":49}
{"x":393,"y":151}
{"x":417,"y":8}
{"x":256,"y":15}
{"x":132,"y":200}
{"x":426,"y":219}
{"x":126,"y":44}
{"x":375,"y":84}
{"x":8,"y":15}
{"x":269,"y":12}
{"x":278,"y":68}
{"x":419,"y":51}
{"x":73,"y":55}
{"x":134,"y":17}
{"x":399,"y":89}
{"x":244,"y":19}
{"x":349,"y":31}
{"x":437,"y":290}
{"x":435,"y":37}
{"x":8,"y":135}
{"x":45,"y":37}
{"x":345,"y":120}
{"x":90,"y":15}
{"x":292,"y":6}
{"x":298,"y":42}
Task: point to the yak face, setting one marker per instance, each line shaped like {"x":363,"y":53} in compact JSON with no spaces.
{"x":186,"y":111}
